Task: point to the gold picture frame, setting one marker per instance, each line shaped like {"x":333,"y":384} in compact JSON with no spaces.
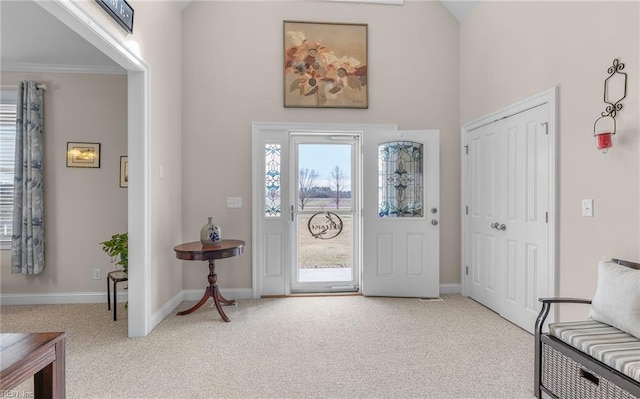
{"x":325,"y":65}
{"x":124,"y":171}
{"x":83,"y":155}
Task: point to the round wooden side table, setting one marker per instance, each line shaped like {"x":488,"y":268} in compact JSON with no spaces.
{"x":197,"y":251}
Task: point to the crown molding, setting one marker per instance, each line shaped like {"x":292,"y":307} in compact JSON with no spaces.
{"x":57,"y":68}
{"x":383,"y":2}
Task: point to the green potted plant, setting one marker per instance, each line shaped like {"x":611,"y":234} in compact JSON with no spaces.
{"x":118,"y":249}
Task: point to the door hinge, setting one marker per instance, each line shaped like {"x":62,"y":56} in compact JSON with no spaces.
{"x":466,"y":149}
{"x":546,"y":217}
{"x":546,"y":127}
{"x":466,"y":270}
{"x":466,"y":210}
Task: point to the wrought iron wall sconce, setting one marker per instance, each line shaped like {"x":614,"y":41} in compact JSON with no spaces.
{"x":605,"y":126}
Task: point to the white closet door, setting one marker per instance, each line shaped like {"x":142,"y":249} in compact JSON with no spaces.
{"x":508,"y":200}
{"x":525,"y":216}
{"x":486,"y":170}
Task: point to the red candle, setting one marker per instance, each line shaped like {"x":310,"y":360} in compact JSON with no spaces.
{"x":603,"y":141}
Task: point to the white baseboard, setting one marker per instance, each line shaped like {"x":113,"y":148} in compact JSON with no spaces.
{"x":195,"y":295}
{"x":229,"y":293}
{"x":450,"y":288}
{"x":59,"y":298}
{"x":166,"y":310}
{"x":101,"y":297}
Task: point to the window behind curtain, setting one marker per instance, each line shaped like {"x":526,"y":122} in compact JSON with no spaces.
{"x":7,"y":148}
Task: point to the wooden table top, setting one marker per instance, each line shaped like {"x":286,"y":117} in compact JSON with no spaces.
{"x":198,"y":251}
{"x":14,"y":347}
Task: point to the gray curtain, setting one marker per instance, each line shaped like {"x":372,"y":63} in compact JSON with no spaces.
{"x":27,"y":244}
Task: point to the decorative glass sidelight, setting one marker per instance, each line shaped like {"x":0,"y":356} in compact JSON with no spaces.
{"x":272,"y":180}
{"x":400,"y":179}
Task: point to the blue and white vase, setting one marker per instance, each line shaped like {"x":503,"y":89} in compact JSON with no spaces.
{"x":210,"y":233}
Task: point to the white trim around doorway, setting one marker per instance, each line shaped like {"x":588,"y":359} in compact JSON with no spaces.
{"x":79,"y":19}
{"x":550,"y":97}
{"x":279,"y":275}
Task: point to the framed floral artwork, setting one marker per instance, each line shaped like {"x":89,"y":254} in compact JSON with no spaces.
{"x":325,"y":65}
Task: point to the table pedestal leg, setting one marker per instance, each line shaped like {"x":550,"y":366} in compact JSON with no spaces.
{"x":212,"y":291}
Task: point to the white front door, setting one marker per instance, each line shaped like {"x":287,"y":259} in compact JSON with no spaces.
{"x":508,"y":207}
{"x":401,"y":212}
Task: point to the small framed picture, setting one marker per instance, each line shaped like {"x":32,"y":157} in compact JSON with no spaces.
{"x":124,"y":171}
{"x":83,"y":155}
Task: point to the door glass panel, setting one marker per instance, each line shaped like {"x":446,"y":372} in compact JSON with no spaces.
{"x":325,"y":247}
{"x":272,"y":180}
{"x":324,"y":217}
{"x":400,"y":179}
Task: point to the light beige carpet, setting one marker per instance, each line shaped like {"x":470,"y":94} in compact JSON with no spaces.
{"x":308,"y":347}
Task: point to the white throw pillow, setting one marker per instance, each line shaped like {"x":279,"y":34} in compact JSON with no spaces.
{"x":617,"y":298}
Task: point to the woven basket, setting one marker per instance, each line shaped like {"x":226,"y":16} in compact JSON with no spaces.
{"x":568,"y":379}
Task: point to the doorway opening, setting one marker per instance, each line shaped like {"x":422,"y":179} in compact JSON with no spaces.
{"x":325,"y":213}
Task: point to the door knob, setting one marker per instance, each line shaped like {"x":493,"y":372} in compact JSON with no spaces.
{"x":494,"y":225}
{"x":434,"y":222}
{"x":502,"y":227}
{"x":434,"y":210}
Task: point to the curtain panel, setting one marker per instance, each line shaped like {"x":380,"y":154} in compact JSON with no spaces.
{"x":27,"y":243}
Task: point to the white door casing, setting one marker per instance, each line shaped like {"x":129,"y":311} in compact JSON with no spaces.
{"x":401,"y":254}
{"x":97,"y":31}
{"x":351,"y":139}
{"x":509,"y":193}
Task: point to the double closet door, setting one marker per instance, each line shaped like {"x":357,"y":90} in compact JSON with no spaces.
{"x":507,"y":243}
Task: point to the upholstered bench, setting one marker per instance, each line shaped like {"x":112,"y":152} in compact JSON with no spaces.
{"x":599,"y":357}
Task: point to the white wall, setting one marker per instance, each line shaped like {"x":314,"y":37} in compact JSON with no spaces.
{"x":157,"y":34}
{"x":82,"y":206}
{"x":510,"y":50}
{"x":232,"y":75}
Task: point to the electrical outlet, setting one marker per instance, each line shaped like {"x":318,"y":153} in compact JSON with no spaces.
{"x":97,"y":274}
{"x":587,"y":207}
{"x":234,"y":202}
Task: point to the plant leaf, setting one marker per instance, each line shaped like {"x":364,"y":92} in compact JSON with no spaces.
{"x":294,"y":85}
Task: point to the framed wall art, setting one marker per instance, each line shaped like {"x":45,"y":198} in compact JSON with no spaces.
{"x":325,"y":65}
{"x":83,"y":155}
{"x":120,"y":11}
{"x":124,"y":171}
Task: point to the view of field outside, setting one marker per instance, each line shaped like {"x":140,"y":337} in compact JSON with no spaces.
{"x":324,"y":185}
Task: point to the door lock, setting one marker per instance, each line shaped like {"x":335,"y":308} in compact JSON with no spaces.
{"x":434,"y":222}
{"x":498,"y":226}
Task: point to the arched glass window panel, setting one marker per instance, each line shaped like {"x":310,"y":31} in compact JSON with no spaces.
{"x":272,"y":180}
{"x":400,"y":179}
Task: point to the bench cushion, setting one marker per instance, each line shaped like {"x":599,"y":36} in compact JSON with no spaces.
{"x":615,"y":348}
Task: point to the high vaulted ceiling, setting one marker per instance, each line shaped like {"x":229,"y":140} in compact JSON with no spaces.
{"x":49,"y":45}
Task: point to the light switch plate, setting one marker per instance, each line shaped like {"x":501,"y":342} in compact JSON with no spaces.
{"x":587,"y":207}
{"x":234,"y":202}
